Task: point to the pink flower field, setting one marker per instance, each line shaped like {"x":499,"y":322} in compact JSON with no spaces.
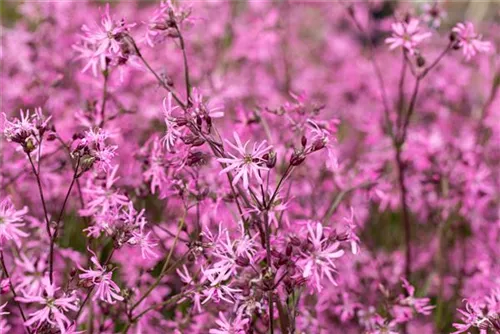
{"x":249,"y":167}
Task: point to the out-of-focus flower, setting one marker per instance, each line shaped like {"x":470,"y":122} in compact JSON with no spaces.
{"x":11,"y":222}
{"x":31,"y":271}
{"x":351,"y":234}
{"x":433,"y":14}
{"x":107,"y":290}
{"x":4,"y":326}
{"x":407,"y":35}
{"x":470,"y":42}
{"x":235,"y":326}
{"x":246,"y":164}
{"x":54,"y":307}
{"x":162,"y":23}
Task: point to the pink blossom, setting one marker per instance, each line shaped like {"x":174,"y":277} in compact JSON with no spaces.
{"x":236,"y":326}
{"x":407,"y":35}
{"x":11,"y":222}
{"x":107,"y":290}
{"x":317,"y":261}
{"x":246,"y":164}
{"x":54,"y":307}
{"x":470,"y":42}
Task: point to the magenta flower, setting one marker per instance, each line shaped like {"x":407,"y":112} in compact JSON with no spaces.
{"x":11,"y":222}
{"x":245,"y":164}
{"x":31,"y":272}
{"x":216,"y":290}
{"x":470,"y":42}
{"x":100,"y":277}
{"x":172,"y":132}
{"x":54,"y":307}
{"x":433,"y":14}
{"x":317,"y":260}
{"x":143,"y":239}
{"x":4,"y":325}
{"x":236,"y":326}
{"x":351,"y":234}
{"x":101,"y":42}
{"x":407,"y":35}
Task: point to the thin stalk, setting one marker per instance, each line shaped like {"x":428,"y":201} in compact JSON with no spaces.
{"x":269,"y":268}
{"x":163,"y":269}
{"x":56,"y":230}
{"x":42,"y":197}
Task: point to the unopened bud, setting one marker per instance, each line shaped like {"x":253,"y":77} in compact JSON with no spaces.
{"x":270,"y":159}
{"x":297,"y":158}
{"x":420,"y":61}
{"x":303,"y":141}
{"x":295,"y":241}
{"x":51,"y":136}
{"x":29,"y":145}
{"x":318,"y":145}
{"x":453,"y":36}
{"x":242,"y":261}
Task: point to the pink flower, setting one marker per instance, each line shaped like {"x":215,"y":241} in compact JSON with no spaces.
{"x":420,"y":305}
{"x":433,"y":14}
{"x":202,"y":108}
{"x":107,"y":290}
{"x":54,"y":308}
{"x":406,"y":35}
{"x":172,"y":132}
{"x":246,"y":164}
{"x":470,"y":42}
{"x":94,"y":151}
{"x":10,"y":222}
{"x":217,"y":290}
{"x":4,"y":286}
{"x":236,"y":326}
{"x":101,"y":42}
{"x":351,"y":234}
{"x":143,"y":239}
{"x":158,"y":27}
{"x":4,"y":326}
{"x":31,"y":271}
{"x":317,"y":260}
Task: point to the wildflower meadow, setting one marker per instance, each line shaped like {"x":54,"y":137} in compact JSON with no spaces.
{"x":260,"y":167}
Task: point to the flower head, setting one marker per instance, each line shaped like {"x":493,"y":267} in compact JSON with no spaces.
{"x":104,"y":42}
{"x":53,"y":307}
{"x":10,"y":222}
{"x":317,"y":259}
{"x":245,"y":164}
{"x":407,"y":35}
{"x":100,"y":277}
{"x":236,"y":326}
{"x":470,"y":42}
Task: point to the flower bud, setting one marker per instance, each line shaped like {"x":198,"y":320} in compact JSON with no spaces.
{"x":242,"y":261}
{"x":270,"y":159}
{"x":420,"y":61}
{"x":297,"y":158}
{"x":318,"y":145}
{"x":29,"y":146}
